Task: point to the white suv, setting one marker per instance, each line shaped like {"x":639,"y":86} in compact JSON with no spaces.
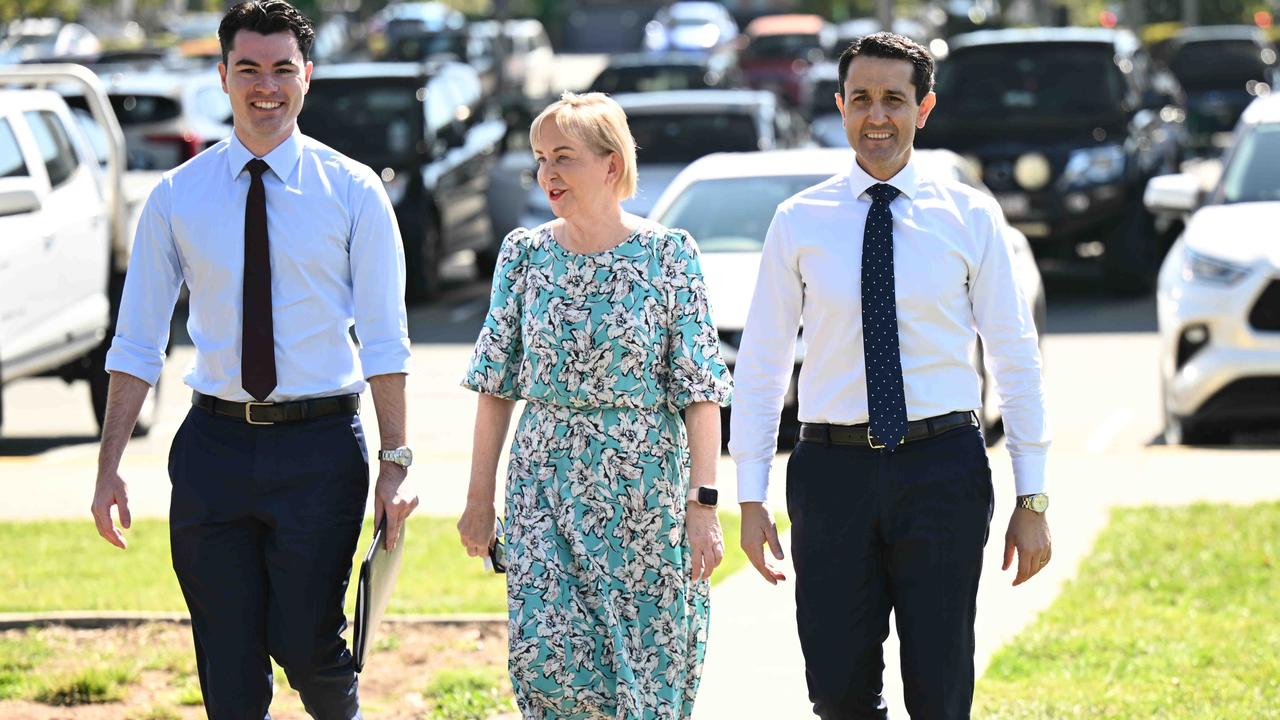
{"x":55,"y":226}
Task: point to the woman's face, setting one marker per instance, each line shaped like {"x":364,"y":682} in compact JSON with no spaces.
{"x":573,"y":176}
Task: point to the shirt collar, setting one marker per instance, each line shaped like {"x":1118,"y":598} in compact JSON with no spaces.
{"x":907,"y":181}
{"x":282,"y":160}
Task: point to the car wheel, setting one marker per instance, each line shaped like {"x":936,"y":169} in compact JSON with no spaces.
{"x":1179,"y":430}
{"x":423,"y":263}
{"x":1131,"y":258}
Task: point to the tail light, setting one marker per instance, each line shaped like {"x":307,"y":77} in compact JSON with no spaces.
{"x":189,"y":144}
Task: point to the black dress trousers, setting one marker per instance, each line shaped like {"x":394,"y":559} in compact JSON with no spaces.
{"x":873,"y":531}
{"x":263,"y":525}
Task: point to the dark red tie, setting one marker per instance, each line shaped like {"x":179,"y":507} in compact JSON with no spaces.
{"x":258,"y":345}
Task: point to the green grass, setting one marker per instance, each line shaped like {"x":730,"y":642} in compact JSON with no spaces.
{"x":1176,"y":614}
{"x":68,"y":567}
{"x":468,"y":694}
{"x":157,"y":713}
{"x":87,"y":686}
{"x":19,"y":655}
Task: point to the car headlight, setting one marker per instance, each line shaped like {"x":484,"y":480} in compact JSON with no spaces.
{"x":1202,"y":268}
{"x":1093,"y":166}
{"x":396,"y":184}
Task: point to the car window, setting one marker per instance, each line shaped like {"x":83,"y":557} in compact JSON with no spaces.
{"x":1031,"y":81}
{"x":1252,"y":173}
{"x":55,"y":146}
{"x":775,"y":47}
{"x":94,"y":133}
{"x":652,"y":78}
{"x":681,"y":138}
{"x":370,"y":121}
{"x":717,"y":219}
{"x":11,"y":162}
{"x":1218,"y":64}
{"x":138,"y":109}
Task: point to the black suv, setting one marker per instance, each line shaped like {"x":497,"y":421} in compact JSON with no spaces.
{"x":1068,"y":125}
{"x":424,"y":130}
{"x":1222,"y":69}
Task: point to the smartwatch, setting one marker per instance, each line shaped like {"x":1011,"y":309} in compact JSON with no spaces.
{"x":703,"y":495}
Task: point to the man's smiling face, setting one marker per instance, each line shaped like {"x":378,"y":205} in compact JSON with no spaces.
{"x":880,"y":113}
{"x":266,"y":79}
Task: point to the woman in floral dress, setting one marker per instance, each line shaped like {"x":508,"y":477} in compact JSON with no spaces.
{"x":599,"y":321}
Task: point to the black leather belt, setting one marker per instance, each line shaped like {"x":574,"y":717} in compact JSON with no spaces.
{"x":860,"y":435}
{"x":265,"y":413}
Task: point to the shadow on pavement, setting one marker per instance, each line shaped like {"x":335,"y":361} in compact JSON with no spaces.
{"x":31,"y":446}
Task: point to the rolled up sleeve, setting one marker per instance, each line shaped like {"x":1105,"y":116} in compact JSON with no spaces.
{"x":377,"y":281}
{"x":150,"y":293}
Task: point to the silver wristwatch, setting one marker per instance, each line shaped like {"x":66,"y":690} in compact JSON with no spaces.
{"x":401,"y":456}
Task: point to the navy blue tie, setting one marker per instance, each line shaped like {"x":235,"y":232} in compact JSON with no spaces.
{"x":885,"y":399}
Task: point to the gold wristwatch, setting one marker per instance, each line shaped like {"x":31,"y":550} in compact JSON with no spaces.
{"x":1039,"y":502}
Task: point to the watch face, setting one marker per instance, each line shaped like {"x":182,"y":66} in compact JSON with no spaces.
{"x":708,"y":496}
{"x":1039,"y":503}
{"x":406,"y":455}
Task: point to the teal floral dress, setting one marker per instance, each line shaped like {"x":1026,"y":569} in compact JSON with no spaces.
{"x":606,"y":349}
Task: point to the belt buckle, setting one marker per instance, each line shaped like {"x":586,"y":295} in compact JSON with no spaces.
{"x":871,"y":442}
{"x":248,"y":415}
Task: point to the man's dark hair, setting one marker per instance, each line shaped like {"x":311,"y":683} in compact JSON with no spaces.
{"x":266,"y":17}
{"x":893,"y":47}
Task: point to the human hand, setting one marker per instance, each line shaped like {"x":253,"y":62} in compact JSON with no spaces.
{"x":757,"y":530}
{"x":110,"y":490}
{"x":393,"y":496}
{"x":476,"y":528}
{"x":1028,"y":534}
{"x":706,"y":540}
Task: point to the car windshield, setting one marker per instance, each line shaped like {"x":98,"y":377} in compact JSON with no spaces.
{"x":1252,"y":174}
{"x":775,"y":47}
{"x":653,"y":78}
{"x":1218,"y":64}
{"x":363,"y":119}
{"x":1026,"y":81}
{"x":715,"y":216}
{"x":681,"y":138}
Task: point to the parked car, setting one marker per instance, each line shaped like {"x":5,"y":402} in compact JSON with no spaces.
{"x":169,"y":115}
{"x":706,"y":200}
{"x":780,"y":49}
{"x":35,"y":38}
{"x":67,"y":219}
{"x":399,"y":19}
{"x":1221,"y":69}
{"x":1218,"y":298}
{"x":672,"y":129}
{"x":656,"y":72}
{"x":1068,"y":125}
{"x":415,"y":125}
{"x":691,"y":26}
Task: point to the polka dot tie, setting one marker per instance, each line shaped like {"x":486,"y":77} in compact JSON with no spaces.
{"x":885,"y":399}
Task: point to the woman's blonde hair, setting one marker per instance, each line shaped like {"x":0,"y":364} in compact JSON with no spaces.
{"x":598,"y":121}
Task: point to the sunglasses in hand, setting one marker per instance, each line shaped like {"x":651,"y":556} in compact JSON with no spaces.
{"x":497,"y":560}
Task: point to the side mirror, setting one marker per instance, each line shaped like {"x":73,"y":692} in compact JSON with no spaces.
{"x":1175,"y":194}
{"x":18,"y":198}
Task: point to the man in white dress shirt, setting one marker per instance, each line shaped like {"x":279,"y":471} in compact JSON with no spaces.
{"x":894,"y":275}
{"x":270,"y":469}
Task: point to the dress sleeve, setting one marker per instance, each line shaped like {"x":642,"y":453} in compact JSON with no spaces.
{"x":698,"y":373}
{"x":497,"y":358}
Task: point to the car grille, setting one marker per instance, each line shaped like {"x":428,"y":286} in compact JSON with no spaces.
{"x":1265,"y":314}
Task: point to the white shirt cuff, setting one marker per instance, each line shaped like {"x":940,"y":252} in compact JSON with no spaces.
{"x":1028,"y":474}
{"x":385,"y":358}
{"x":753,"y":482}
{"x":133,"y":359}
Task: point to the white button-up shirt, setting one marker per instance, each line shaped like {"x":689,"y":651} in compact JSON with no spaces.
{"x":954,"y":281}
{"x":336,"y":261}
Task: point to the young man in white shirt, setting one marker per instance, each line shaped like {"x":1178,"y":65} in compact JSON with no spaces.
{"x":888,"y":489}
{"x":270,"y":469}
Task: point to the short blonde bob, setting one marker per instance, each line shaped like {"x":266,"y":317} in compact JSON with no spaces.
{"x":599,"y":122}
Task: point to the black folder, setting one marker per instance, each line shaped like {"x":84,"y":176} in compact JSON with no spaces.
{"x":378,"y":575}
